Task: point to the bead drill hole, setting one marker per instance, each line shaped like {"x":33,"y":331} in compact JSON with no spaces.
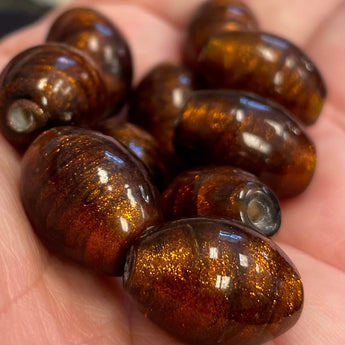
{"x":262,"y":212}
{"x":258,"y":213}
{"x":22,"y":116}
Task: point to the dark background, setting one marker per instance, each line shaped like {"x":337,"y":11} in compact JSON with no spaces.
{"x":17,"y":13}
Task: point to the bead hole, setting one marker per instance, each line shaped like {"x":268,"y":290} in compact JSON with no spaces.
{"x":23,"y":115}
{"x":257,"y":211}
{"x":263,"y":212}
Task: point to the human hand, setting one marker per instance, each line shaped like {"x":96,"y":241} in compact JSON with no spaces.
{"x":46,"y":300}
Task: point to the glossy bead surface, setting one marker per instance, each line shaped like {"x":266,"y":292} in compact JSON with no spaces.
{"x":45,"y":86}
{"x":226,"y":192}
{"x":234,"y":128}
{"x":267,"y":65}
{"x":213,"y":17}
{"x":141,"y":143}
{"x":87,"y":196}
{"x":213,"y":281}
{"x":158,"y":101}
{"x":94,"y":34}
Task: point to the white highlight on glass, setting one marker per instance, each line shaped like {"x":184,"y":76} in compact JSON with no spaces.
{"x":222,"y":282}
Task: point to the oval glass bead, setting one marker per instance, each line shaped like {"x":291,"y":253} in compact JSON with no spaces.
{"x":141,"y":143}
{"x":213,"y":17}
{"x":268,"y":65}
{"x":213,"y":281}
{"x":94,"y":34}
{"x":45,"y":86}
{"x":158,"y":101}
{"x":87,"y":196}
{"x":234,"y":128}
{"x":226,"y":192}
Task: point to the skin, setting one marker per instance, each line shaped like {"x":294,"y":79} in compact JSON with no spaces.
{"x":46,"y":300}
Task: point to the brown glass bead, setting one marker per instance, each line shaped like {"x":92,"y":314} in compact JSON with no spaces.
{"x":48,"y":85}
{"x":213,"y":281}
{"x":267,"y":65}
{"x":141,"y":143}
{"x":213,"y":17}
{"x":226,"y":192}
{"x":158,"y":101}
{"x":87,"y":196}
{"x":94,"y":34}
{"x":235,"y":128}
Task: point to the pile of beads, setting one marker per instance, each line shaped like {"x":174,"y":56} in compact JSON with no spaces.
{"x":181,"y":199}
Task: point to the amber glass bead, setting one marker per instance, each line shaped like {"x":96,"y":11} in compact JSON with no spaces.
{"x":223,"y":191}
{"x":158,"y":101}
{"x":141,"y":143}
{"x":213,"y":17}
{"x":235,"y":128}
{"x":213,"y":281}
{"x":45,"y":86}
{"x":87,"y":196}
{"x":267,"y":65}
{"x":94,"y":34}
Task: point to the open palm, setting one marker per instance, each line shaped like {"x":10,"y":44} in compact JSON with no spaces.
{"x":46,"y":300}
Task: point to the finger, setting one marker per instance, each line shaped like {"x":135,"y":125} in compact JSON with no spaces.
{"x":328,"y":50}
{"x":315,"y":220}
{"x":144,"y":332}
{"x":21,"y":259}
{"x":281,"y":17}
{"x":67,"y":305}
{"x":322,"y":318}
